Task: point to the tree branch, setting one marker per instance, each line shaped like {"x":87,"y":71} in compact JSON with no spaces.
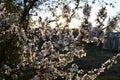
{"x":26,"y":11}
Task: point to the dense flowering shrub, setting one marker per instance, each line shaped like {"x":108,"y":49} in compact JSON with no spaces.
{"x":43,"y":53}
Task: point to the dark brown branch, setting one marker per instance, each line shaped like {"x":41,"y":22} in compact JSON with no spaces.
{"x":26,"y":11}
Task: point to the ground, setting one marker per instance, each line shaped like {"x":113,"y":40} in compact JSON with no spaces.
{"x":96,"y":56}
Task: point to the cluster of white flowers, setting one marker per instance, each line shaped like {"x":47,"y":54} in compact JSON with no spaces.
{"x":51,"y":49}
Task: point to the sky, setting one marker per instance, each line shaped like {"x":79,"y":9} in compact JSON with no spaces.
{"x":95,"y":8}
{"x":111,"y":12}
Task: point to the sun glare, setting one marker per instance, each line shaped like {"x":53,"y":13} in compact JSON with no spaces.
{"x":75,"y":22}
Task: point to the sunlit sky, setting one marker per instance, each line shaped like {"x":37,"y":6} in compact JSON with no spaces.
{"x":95,"y":8}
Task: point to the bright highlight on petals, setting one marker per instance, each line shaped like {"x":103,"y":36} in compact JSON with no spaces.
{"x":75,"y":23}
{"x":53,"y":25}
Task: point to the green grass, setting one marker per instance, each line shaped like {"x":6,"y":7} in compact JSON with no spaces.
{"x":95,"y":57}
{"x":108,"y":78}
